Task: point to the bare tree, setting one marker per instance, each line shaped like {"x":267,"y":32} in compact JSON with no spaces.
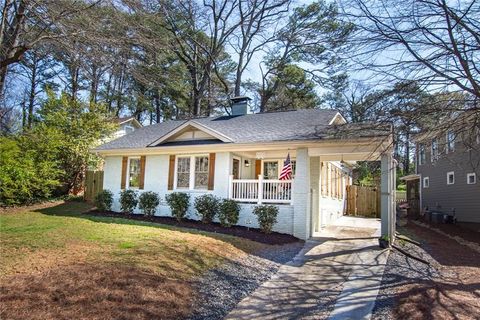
{"x":199,"y":35}
{"x":38,"y":69}
{"x":258,"y":19}
{"x":27,"y":23}
{"x":434,"y":42}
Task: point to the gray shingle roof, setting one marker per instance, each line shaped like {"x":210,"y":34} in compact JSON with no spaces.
{"x":260,"y":127}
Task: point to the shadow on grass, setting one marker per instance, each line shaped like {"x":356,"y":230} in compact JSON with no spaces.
{"x":263,"y":250}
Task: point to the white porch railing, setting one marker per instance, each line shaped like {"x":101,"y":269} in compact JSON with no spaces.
{"x":260,"y":191}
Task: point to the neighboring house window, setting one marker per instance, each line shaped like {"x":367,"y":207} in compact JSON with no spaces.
{"x":450,"y":177}
{"x":434,"y":149}
{"x":450,"y":141}
{"x":471,"y":178}
{"x":270,"y":170}
{"x":133,"y":172}
{"x":426,"y":182}
{"x":421,"y":154}
{"x":192,"y":176}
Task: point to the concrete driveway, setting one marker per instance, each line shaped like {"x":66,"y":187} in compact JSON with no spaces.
{"x":337,"y":276}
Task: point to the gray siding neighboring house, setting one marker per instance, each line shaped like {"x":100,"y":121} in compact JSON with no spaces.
{"x":449,"y":177}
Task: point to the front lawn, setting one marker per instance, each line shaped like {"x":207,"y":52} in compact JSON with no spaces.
{"x":57,"y":263}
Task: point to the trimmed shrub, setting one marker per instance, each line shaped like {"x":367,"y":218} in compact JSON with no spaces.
{"x":207,"y":207}
{"x":148,"y":202}
{"x":104,"y":200}
{"x":228,"y":212}
{"x":266,"y":216}
{"x":128,"y":200}
{"x":178,"y":203}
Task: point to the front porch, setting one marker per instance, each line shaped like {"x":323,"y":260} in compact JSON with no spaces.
{"x":260,"y":191}
{"x":316,"y":194}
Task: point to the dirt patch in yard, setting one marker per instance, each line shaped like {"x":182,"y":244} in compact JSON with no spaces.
{"x":457,"y":230}
{"x":32,"y":207}
{"x":86,"y":291}
{"x":447,"y":289}
{"x":274,"y":238}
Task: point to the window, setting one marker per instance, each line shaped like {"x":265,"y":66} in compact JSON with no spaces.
{"x":133,"y":172}
{"x":471,"y":178}
{"x":270,"y":170}
{"x":450,"y":141}
{"x":426,"y":182}
{"x":450,"y":177}
{"x":192,"y":172}
{"x":434,"y":149}
{"x":183,"y":172}
{"x":201,"y":172}
{"x":421,"y":154}
{"x":294,"y":167}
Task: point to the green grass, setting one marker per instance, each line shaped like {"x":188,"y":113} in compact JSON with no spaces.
{"x":61,"y":235}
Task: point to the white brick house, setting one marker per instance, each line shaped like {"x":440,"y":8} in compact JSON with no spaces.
{"x":241,"y":156}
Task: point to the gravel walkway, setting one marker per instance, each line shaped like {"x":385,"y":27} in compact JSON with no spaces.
{"x":221,"y":289}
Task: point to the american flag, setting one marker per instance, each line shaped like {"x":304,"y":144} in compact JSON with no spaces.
{"x":286,"y":173}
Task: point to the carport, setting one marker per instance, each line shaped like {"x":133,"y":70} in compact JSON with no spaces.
{"x":375,"y":148}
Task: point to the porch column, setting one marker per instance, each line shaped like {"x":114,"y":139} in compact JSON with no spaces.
{"x":301,"y":196}
{"x":387,"y":197}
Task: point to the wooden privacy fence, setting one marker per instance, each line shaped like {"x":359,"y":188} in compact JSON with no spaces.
{"x":93,"y":184}
{"x":363,"y":201}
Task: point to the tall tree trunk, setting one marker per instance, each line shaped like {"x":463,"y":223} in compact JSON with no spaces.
{"x":238,"y":76}
{"x":94,"y":85}
{"x":406,"y":160}
{"x":197,"y":104}
{"x":24,"y":115}
{"x":74,"y":73}
{"x":3,"y":77}
{"x":157,"y":107}
{"x":33,"y":88}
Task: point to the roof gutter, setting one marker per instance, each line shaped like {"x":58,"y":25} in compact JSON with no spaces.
{"x":383,"y":143}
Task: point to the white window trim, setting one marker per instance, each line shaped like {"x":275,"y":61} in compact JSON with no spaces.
{"x":433,"y":156}
{"x":472,"y":174}
{"x":426,"y":185}
{"x":420,"y":160}
{"x":447,"y":145}
{"x":191,"y":182}
{"x":128,"y":174}
{"x":448,"y":175}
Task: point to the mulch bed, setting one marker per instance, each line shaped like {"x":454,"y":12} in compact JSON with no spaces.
{"x":254,"y":234}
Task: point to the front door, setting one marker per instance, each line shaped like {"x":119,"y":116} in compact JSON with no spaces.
{"x":236,"y":169}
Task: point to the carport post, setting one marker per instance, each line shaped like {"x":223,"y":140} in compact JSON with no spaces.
{"x":301,"y":196}
{"x":387,"y":207}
